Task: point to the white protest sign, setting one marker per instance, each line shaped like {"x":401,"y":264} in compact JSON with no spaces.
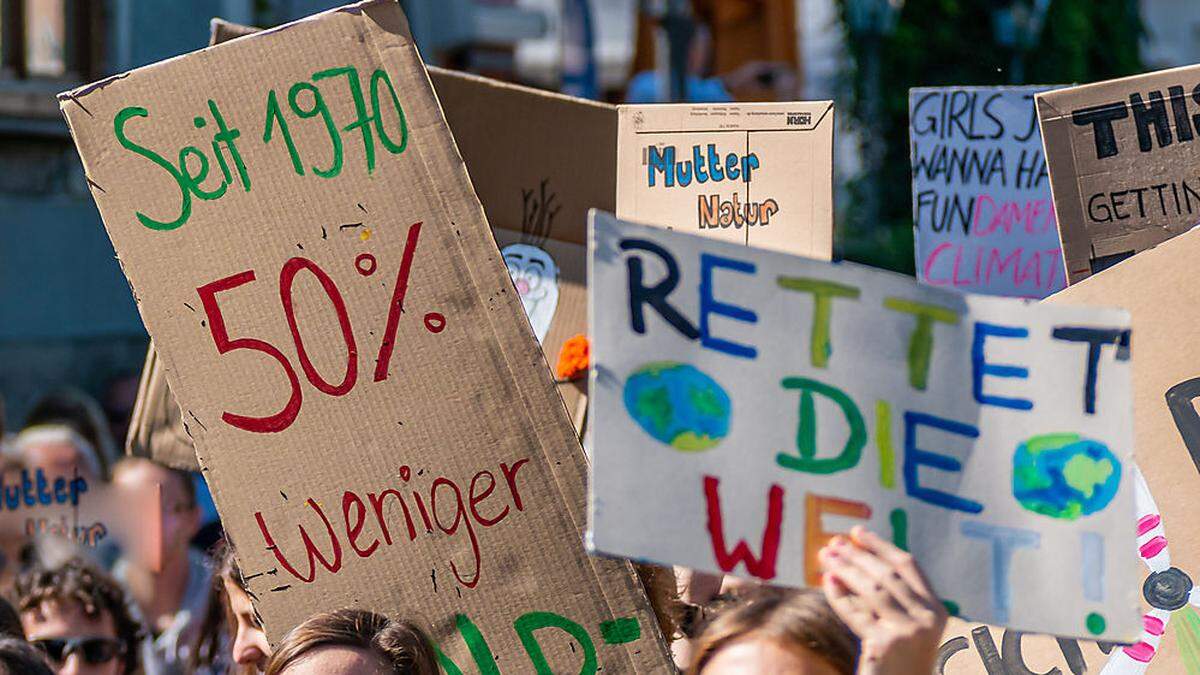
{"x":748,"y":404}
{"x":983,"y":218}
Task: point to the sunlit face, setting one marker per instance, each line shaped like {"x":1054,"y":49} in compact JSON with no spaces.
{"x":54,"y":620}
{"x":766,"y":657}
{"x":250,"y":646}
{"x":180,"y":516}
{"x":337,"y":660}
{"x":58,"y":459}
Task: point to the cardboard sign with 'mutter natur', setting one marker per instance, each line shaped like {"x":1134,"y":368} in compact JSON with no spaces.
{"x":983,"y":219}
{"x":368,"y":403}
{"x":1122,"y":157}
{"x":746,"y":404}
{"x":749,"y":173}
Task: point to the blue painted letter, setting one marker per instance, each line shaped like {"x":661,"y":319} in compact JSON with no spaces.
{"x":915,"y":458}
{"x":981,"y":368}
{"x":1005,"y":541}
{"x":708,"y":305}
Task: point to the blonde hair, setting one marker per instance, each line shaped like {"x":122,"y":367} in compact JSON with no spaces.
{"x":399,"y":645}
{"x":788,"y":617}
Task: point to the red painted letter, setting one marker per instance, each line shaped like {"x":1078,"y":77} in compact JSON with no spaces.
{"x":313,"y":553}
{"x":764,"y":567}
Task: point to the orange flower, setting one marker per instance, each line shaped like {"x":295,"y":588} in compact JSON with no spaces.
{"x":573,"y":358}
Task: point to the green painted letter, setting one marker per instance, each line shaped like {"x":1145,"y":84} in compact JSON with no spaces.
{"x":823,"y":294}
{"x":528,"y":623}
{"x":806,"y":434}
{"x":920,"y":343}
{"x":185,"y":208}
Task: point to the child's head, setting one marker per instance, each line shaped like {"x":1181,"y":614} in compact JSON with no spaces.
{"x":80,"y":618}
{"x":776,"y":630}
{"x":354,"y":641}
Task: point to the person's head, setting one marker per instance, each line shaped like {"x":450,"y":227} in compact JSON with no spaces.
{"x":18,"y":657}
{"x":351,"y":641}
{"x":58,"y":450}
{"x":120,"y":397}
{"x":180,"y":514}
{"x":81,"y":413}
{"x":80,"y":618}
{"x":250,"y":648}
{"x":776,"y":631}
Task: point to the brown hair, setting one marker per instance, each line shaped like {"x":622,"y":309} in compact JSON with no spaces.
{"x":96,"y":592}
{"x":789,"y":617}
{"x":400,"y":645}
{"x":218,"y":628}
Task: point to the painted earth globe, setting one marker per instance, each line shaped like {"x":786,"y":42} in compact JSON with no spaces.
{"x":678,"y":405}
{"x":1064,"y":475}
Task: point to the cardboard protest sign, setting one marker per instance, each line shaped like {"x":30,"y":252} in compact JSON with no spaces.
{"x":368,"y":403}
{"x":1166,"y":423}
{"x":537,"y":206}
{"x":1121,"y":158}
{"x":750,"y":173}
{"x":568,"y":151}
{"x":746,"y":404}
{"x":1162,"y":305}
{"x":983,"y":219}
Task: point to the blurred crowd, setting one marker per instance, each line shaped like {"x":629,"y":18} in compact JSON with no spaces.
{"x":113,"y":564}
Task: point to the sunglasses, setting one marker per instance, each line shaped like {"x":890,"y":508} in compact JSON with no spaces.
{"x":94,"y":650}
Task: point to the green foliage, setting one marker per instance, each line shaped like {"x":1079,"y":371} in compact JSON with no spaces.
{"x":952,"y":42}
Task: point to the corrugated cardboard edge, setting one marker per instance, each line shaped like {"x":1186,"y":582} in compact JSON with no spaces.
{"x":153,"y":427}
{"x":541,"y":401}
{"x":156,"y":429}
{"x":1060,"y":155}
{"x":220,"y":30}
{"x":825,"y":242}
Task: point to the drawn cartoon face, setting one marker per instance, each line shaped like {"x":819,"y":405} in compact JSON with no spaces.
{"x":535,"y":275}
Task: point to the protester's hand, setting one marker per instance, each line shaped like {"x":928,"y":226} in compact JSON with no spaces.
{"x":881,"y":594}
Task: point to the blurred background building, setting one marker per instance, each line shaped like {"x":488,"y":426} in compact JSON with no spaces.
{"x":66,"y":315}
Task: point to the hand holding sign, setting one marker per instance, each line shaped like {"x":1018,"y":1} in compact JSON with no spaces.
{"x":881,"y":594}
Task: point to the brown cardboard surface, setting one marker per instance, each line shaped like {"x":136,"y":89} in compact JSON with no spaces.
{"x":978,"y":649}
{"x":456,"y":416}
{"x":791,"y":142}
{"x":156,"y":429}
{"x":1152,"y":286}
{"x":537,"y":160}
{"x":1141,"y":188}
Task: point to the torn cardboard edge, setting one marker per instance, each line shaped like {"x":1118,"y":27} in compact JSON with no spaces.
{"x":433,"y":159}
{"x":1094,"y":237}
